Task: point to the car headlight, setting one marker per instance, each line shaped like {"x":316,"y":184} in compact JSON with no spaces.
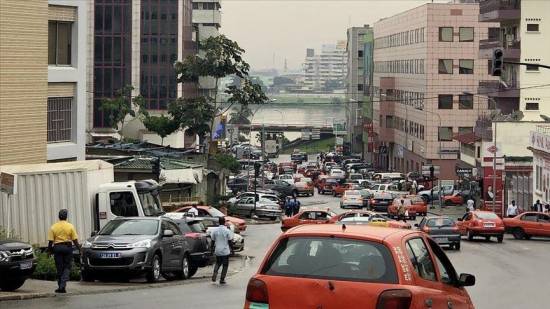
{"x":4,"y":256}
{"x":87,"y":244}
{"x":146,"y":243}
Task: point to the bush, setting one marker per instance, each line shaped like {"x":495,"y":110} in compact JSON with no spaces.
{"x":45,"y":268}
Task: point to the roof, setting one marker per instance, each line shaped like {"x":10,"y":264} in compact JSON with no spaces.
{"x":359,"y":231}
{"x":88,"y":165}
{"x":467,"y":138}
{"x":145,"y":163}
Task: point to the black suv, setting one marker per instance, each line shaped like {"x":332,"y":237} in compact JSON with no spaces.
{"x":17,"y":264}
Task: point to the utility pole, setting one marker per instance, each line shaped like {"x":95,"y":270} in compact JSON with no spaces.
{"x":495,"y":170}
{"x":263,"y":137}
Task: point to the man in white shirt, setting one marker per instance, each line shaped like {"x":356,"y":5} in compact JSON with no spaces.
{"x":512,"y":210}
{"x":470,"y":205}
{"x":221,"y":236}
{"x":193,"y":212}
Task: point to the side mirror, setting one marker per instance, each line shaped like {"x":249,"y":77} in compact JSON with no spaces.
{"x":94,"y":233}
{"x":466,"y":280}
{"x":459,"y":219}
{"x":167,"y":233}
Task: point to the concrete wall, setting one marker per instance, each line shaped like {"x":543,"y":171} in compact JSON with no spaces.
{"x":514,"y":137}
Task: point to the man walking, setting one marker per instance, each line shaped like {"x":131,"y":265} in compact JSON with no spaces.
{"x":537,"y":206}
{"x":221,"y":236}
{"x":296,"y":207}
{"x":470,"y":205}
{"x":401,"y":211}
{"x":512,"y":210}
{"x":61,"y":237}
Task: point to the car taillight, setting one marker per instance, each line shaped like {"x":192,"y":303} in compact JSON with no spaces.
{"x":256,"y":291}
{"x":372,"y":201}
{"x":394,"y":299}
{"x":193,"y":235}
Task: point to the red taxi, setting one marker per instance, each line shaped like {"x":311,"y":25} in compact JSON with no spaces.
{"x":371,"y":215}
{"x":453,"y":199}
{"x":307,"y":216}
{"x":339,"y":189}
{"x":356,"y":266}
{"x":415,"y":205}
{"x":481,"y":223}
{"x":326,"y":184}
{"x":285,"y":166}
{"x":528,"y":224}
{"x":209,"y":211}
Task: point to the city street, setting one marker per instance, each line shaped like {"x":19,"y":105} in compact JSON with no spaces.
{"x":513,"y":274}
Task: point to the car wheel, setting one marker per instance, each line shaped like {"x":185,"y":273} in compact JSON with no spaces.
{"x":500,"y":238}
{"x":487,"y":238}
{"x":527,"y":236}
{"x":470,"y":235}
{"x":86,"y":276}
{"x":12,"y":284}
{"x":153,"y":274}
{"x":457,"y":246}
{"x":192,"y":270}
{"x":185,"y":268}
{"x":518,"y":233}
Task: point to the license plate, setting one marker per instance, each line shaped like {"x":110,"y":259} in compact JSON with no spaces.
{"x":438,"y":240}
{"x":109,"y":255}
{"x":489,"y":225}
{"x":25,"y":265}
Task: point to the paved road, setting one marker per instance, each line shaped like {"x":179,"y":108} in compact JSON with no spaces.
{"x":514,"y":274}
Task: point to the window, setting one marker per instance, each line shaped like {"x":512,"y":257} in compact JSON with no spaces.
{"x":466,"y":34}
{"x":359,"y":87}
{"x":59,"y":119}
{"x":445,"y":66}
{"x":445,"y":134}
{"x":445,"y":101}
{"x":532,"y":27}
{"x":123,"y":204}
{"x":465,"y":130}
{"x":360,"y":53}
{"x":531,"y":68}
{"x":447,"y":272}
{"x":532,"y":106}
{"x":420,"y":258}
{"x":466,"y":101}
{"x":466,"y":66}
{"x":529,"y":217}
{"x":445,"y":34}
{"x":59,"y":43}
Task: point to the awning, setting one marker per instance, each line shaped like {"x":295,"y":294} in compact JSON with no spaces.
{"x":467,"y":138}
{"x":179,"y":176}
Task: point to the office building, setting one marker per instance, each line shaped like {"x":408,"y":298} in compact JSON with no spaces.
{"x":326,"y":72}
{"x":426,"y":78}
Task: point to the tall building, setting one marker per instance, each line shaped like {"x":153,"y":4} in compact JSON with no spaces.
{"x":44,"y":80}
{"x":326,"y":72}
{"x":426,"y":78}
{"x":207,"y":21}
{"x":137,"y":43}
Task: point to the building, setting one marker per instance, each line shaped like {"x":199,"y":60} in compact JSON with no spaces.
{"x":207,"y":22}
{"x":44,"y":80}
{"x":426,"y":78}
{"x":136,"y":42}
{"x":539,"y":142}
{"x":326,"y":72}
{"x":358,"y":80}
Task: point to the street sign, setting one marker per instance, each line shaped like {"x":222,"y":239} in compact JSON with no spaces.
{"x":426,"y":170}
{"x":463,"y":171}
{"x":339,"y":141}
{"x":8,"y":183}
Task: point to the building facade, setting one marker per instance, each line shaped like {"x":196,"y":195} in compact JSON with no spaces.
{"x":426,"y":78}
{"x":539,"y":142}
{"x":326,"y":72}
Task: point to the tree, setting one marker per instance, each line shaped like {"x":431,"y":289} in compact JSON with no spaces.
{"x":227,"y":161}
{"x":119,"y":107}
{"x":193,"y":114}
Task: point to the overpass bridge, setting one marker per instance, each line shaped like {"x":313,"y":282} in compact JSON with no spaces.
{"x":322,"y":128}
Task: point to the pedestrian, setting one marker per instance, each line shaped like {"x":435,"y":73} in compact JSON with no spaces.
{"x":414,"y":187}
{"x":61,"y":237}
{"x":193,"y":212}
{"x":537,"y":206}
{"x":221,"y":235}
{"x":401,"y":211}
{"x":547,"y":208}
{"x":512,"y":210}
{"x":296,"y":207}
{"x":289,"y":205}
{"x":470,"y":205}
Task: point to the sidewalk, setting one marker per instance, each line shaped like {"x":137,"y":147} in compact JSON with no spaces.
{"x":41,"y":288}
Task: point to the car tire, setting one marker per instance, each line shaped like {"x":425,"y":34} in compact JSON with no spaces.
{"x":518,"y":233}
{"x":86,"y":276}
{"x":12,"y":284}
{"x":487,"y":238}
{"x":185,"y":268}
{"x":500,"y":238}
{"x":153,"y":274}
{"x":470,"y":235}
{"x":457,"y":246}
{"x":192,"y":270}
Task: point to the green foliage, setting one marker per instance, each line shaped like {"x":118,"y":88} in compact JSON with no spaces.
{"x":162,"y":125}
{"x":195,"y":114}
{"x":117,"y":108}
{"x":4,"y":234}
{"x":240,"y":116}
{"x":248,"y":93}
{"x":45,"y":268}
{"x":227,"y":161}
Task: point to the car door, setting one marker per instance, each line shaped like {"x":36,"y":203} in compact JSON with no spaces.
{"x":544,"y":225}
{"x":464,"y":224}
{"x":180,"y":245}
{"x":307,"y":217}
{"x":530,"y":223}
{"x":168,"y":246}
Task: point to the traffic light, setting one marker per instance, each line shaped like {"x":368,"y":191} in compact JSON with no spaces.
{"x":257,"y":167}
{"x":156,"y":167}
{"x":498,"y":62}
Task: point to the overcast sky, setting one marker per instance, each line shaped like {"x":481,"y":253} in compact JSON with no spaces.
{"x":272,"y":30}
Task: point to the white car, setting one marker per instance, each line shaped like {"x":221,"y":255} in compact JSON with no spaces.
{"x":286,"y":178}
{"x":261,"y":196}
{"x":337,"y":173}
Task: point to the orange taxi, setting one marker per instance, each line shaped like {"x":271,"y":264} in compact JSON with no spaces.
{"x":373,"y":216}
{"x":356,"y":266}
{"x":307,"y":216}
{"x":415,"y":205}
{"x":209,"y":211}
{"x":528,"y":224}
{"x":481,"y":223}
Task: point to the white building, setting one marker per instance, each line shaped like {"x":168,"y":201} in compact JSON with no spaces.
{"x":539,"y":145}
{"x":69,"y":77}
{"x":328,"y":66}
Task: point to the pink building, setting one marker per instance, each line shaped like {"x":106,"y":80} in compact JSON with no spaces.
{"x":426,"y":75}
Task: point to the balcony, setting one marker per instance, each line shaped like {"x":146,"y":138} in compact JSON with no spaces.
{"x":207,"y":17}
{"x":499,"y":10}
{"x":511,"y":48}
{"x":495,"y":88}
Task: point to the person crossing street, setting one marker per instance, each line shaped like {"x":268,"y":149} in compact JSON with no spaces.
{"x":221,"y":236}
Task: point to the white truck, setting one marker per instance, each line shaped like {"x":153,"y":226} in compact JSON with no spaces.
{"x":85,"y":188}
{"x":271,"y":148}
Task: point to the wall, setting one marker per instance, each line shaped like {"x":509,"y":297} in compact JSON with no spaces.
{"x":23,"y":81}
{"x":513,"y":137}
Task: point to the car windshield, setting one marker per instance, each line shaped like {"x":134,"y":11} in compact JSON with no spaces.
{"x":131,"y":227}
{"x":215,"y":213}
{"x":486,"y":215}
{"x":440,"y":222}
{"x":353,"y":193}
{"x":332,"y":258}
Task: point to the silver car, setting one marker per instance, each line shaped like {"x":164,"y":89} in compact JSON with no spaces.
{"x":137,"y":245}
{"x":264,"y":208}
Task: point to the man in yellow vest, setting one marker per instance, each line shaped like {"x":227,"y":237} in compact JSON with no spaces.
{"x":61,"y":237}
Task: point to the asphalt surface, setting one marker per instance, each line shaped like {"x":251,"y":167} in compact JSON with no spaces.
{"x":514,"y":274}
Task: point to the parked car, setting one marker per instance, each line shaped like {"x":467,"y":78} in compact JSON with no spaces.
{"x":307,"y":216}
{"x":481,"y":223}
{"x":204,"y":225}
{"x":263,"y":208}
{"x":356,"y":267}
{"x":429,"y":195}
{"x":209,"y":211}
{"x":456,"y":198}
{"x":154,"y":246}
{"x":380,"y":219}
{"x":528,"y":224}
{"x":442,"y":229}
{"x":352,"y":198}
{"x":381,"y":201}
{"x":17,"y":264}
{"x":283,"y":187}
{"x":260,"y":194}
{"x":305,"y":186}
{"x":200,"y":244}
